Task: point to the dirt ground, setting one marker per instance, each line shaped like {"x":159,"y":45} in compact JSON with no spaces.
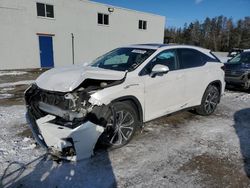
{"x":181,"y":150}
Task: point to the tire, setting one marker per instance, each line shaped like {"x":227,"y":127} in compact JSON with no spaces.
{"x":209,"y":101}
{"x":118,"y":135}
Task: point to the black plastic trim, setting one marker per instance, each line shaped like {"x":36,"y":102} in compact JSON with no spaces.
{"x":35,"y":130}
{"x":136,"y":101}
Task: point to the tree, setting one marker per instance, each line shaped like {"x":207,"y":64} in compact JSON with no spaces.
{"x":218,"y":33}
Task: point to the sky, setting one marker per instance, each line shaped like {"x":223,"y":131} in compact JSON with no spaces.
{"x":179,"y":12}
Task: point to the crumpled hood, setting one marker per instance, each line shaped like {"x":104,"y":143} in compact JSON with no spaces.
{"x":66,"y":79}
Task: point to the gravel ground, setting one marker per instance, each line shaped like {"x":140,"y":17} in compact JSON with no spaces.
{"x":181,"y":150}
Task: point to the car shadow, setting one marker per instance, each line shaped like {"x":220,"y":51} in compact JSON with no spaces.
{"x":242,"y":129}
{"x":45,"y":172}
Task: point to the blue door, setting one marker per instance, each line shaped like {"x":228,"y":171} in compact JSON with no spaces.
{"x":46,"y":51}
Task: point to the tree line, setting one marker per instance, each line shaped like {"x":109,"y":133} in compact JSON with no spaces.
{"x":218,"y":34}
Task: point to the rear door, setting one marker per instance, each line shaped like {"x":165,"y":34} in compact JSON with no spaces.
{"x":192,"y":63}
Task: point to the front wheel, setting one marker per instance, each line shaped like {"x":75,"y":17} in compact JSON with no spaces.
{"x":209,"y":102}
{"x":122,"y":122}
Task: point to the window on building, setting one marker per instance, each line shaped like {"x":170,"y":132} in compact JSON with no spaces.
{"x":103,"y":19}
{"x":142,"y":24}
{"x":45,"y":10}
{"x":50,"y":11}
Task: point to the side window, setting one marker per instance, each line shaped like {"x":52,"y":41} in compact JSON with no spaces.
{"x":189,"y":58}
{"x":167,"y":58}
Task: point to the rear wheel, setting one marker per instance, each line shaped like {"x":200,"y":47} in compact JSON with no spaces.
{"x":209,"y":102}
{"x":121,"y":125}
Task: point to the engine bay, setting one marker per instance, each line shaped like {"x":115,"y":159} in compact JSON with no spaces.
{"x":61,"y":121}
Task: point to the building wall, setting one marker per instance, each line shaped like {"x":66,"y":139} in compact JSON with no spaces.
{"x":19,"y":26}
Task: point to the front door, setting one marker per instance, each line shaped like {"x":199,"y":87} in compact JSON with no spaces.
{"x":46,"y":51}
{"x":164,"y":93}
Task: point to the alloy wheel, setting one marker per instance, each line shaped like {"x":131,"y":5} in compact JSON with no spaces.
{"x":123,"y":129}
{"x":211,"y":101}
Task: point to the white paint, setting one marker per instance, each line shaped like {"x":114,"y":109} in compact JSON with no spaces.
{"x":19,"y":46}
{"x":168,"y":93}
{"x":84,"y":137}
{"x":163,"y":94}
{"x":68,"y":78}
{"x":158,"y":96}
{"x":184,"y":88}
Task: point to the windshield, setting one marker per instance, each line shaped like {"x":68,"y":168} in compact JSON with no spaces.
{"x":123,"y":59}
{"x":241,"y":58}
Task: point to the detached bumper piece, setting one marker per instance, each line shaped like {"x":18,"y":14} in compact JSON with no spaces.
{"x":70,"y":144}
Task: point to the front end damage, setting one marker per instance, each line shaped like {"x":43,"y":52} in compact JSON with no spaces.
{"x":68,"y":124}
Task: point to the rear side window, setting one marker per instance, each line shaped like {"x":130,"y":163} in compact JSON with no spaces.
{"x":190,"y":58}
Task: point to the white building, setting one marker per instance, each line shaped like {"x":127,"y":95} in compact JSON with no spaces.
{"x":47,"y":33}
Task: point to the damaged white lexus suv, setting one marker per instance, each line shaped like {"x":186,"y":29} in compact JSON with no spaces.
{"x":70,"y":109}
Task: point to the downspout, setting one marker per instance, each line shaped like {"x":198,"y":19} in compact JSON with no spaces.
{"x":73,"y":48}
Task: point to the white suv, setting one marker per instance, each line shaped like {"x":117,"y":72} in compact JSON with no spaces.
{"x":70,"y":108}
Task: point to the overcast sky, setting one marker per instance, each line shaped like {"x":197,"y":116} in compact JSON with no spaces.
{"x":178,"y":12}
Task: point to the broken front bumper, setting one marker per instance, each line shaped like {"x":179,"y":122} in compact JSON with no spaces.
{"x":71,"y":144}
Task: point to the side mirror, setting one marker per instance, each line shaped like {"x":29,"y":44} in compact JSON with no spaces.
{"x":159,"y":69}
